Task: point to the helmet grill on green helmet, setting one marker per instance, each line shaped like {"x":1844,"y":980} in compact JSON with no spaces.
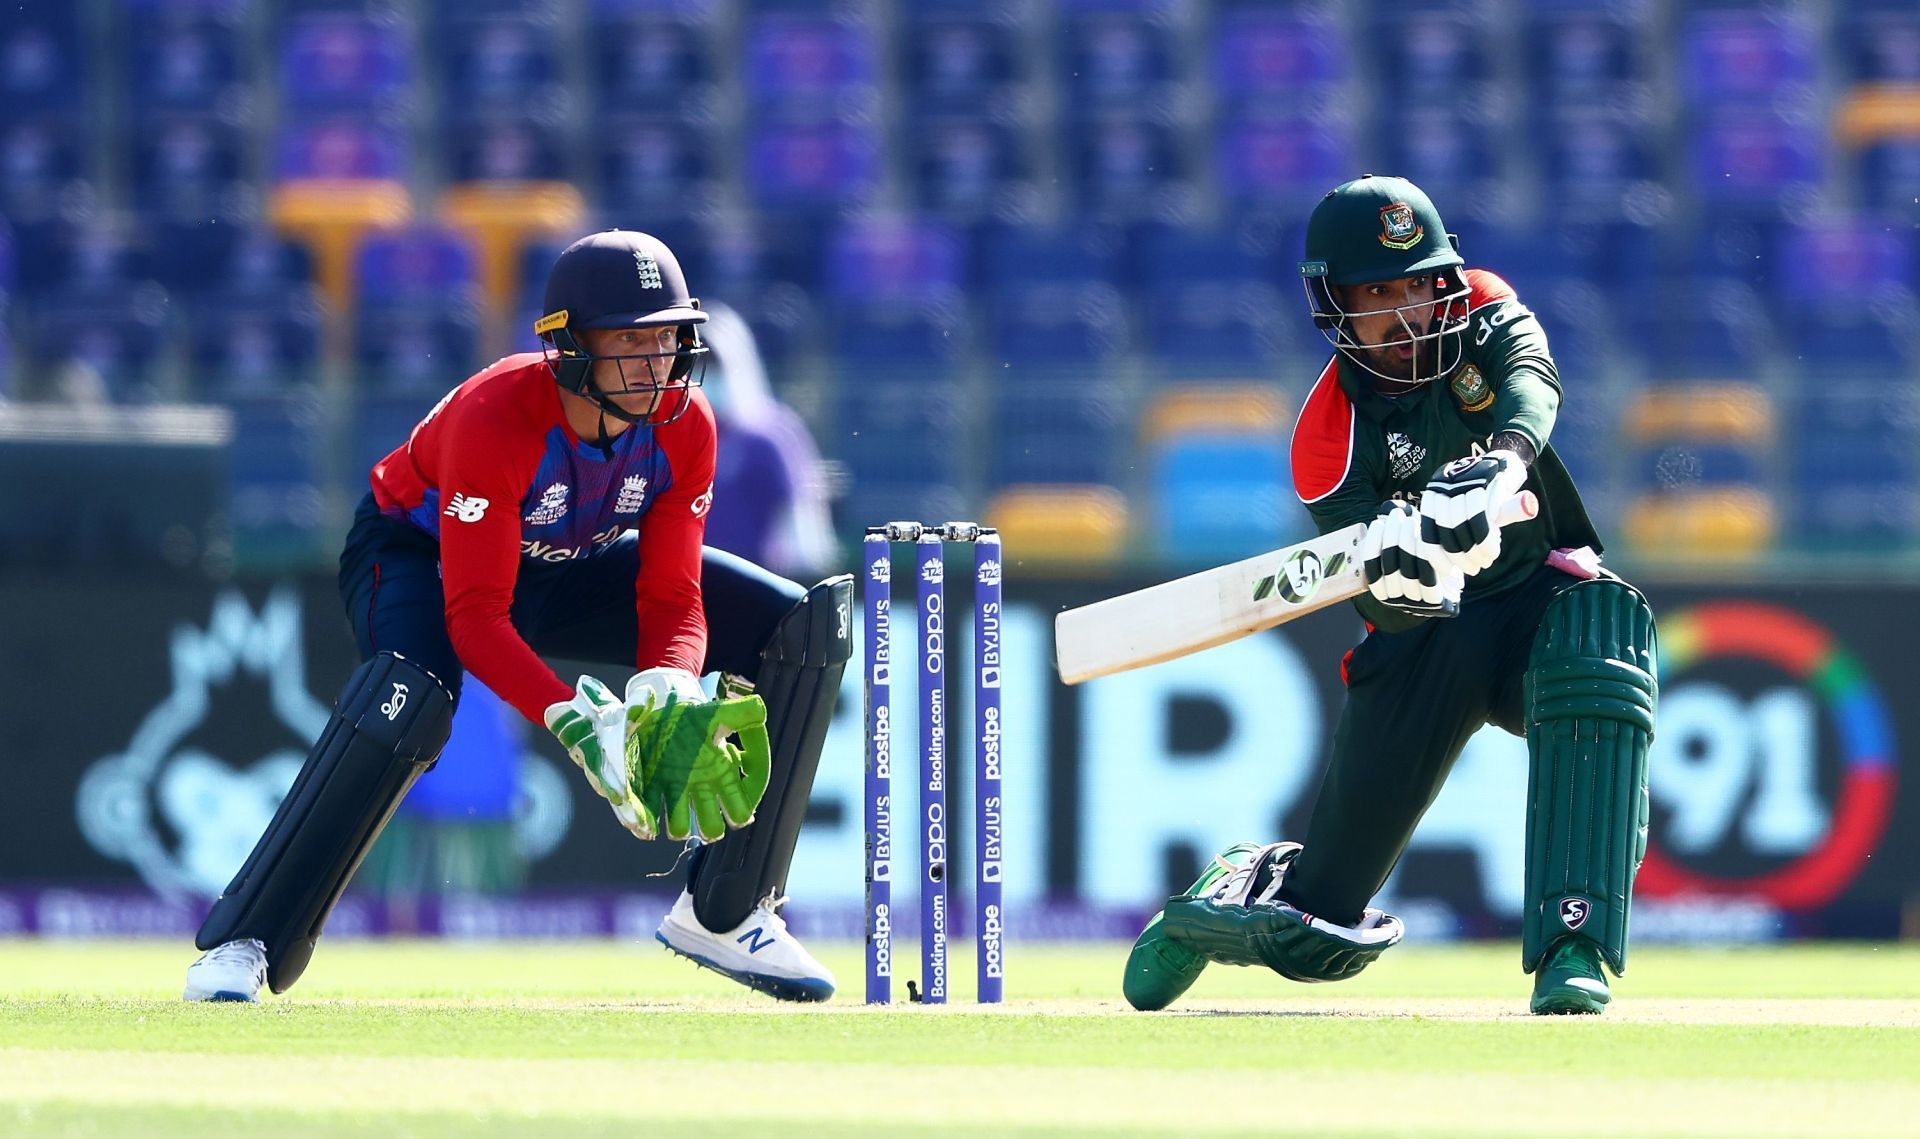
{"x":1376,"y":229}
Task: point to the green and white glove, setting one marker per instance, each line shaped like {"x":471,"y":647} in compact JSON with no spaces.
{"x":682,"y":757}
{"x":592,"y":727}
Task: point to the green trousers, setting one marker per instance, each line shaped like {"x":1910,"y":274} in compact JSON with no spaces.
{"x":1413,"y":701}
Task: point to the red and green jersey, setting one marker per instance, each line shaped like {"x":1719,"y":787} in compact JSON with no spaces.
{"x":1354,"y":448}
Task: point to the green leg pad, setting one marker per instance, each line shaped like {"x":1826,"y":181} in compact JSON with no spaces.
{"x":1590,"y":696}
{"x":1160,"y":969}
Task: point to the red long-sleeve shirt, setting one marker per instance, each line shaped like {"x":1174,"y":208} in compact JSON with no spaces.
{"x":496,"y":475}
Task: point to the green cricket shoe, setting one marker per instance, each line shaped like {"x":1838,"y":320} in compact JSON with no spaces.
{"x":1570,"y":980}
{"x":1160,"y":969}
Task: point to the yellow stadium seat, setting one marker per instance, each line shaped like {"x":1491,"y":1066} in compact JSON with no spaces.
{"x":1256,"y":409}
{"x":501,"y":218}
{"x":1709,"y":412}
{"x":1725,"y":524}
{"x":1064,"y":525}
{"x":1878,"y":111}
{"x":330,"y":216}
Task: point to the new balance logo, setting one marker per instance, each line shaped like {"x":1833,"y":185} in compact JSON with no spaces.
{"x":466,"y":509}
{"x":755,"y":939}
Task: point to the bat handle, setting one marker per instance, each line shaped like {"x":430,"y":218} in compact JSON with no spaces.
{"x":1519,"y":508}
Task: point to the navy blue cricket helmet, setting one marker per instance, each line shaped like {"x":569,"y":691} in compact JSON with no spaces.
{"x":621,"y":278}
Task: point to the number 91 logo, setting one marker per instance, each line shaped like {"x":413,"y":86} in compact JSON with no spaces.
{"x":1714,"y":755}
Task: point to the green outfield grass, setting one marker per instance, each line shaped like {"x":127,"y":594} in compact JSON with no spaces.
{"x":427,"y":1039}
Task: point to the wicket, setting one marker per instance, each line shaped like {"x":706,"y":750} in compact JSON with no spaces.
{"x":933,"y":823}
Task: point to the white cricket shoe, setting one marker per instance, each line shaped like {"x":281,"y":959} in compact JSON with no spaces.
{"x":759,"y":952}
{"x":231,"y":972}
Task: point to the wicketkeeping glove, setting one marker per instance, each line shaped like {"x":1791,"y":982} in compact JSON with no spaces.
{"x":592,"y":726}
{"x":681,"y":754}
{"x":1459,"y":507}
{"x":1404,"y":570}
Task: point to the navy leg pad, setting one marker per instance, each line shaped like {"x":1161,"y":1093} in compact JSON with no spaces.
{"x":389,"y":725}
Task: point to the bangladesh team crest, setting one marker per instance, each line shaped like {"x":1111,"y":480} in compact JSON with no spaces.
{"x":1472,"y":390}
{"x":1399,"y":229}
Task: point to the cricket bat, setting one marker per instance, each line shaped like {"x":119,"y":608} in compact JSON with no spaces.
{"x":1219,"y":605}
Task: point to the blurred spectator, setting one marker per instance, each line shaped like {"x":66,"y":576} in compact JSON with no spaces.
{"x":769,"y":488}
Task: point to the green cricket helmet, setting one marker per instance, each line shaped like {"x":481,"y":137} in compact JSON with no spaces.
{"x":1376,"y":229}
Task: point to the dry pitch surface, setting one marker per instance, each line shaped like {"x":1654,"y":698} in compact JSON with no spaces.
{"x":581,"y":1041}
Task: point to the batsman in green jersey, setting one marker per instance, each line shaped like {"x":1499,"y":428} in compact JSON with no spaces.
{"x":1436,"y":409}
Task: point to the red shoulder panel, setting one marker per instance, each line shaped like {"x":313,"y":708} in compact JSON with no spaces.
{"x":1322,"y":450}
{"x":1484,"y":288}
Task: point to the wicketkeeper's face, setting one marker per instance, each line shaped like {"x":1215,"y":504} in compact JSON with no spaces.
{"x":631,"y":365}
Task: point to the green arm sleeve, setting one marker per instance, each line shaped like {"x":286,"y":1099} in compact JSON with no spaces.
{"x":1511,"y":348}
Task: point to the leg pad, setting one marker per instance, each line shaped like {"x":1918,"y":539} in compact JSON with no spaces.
{"x":388,"y":727}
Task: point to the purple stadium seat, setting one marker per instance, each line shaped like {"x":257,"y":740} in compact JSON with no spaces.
{"x":892,"y":259}
{"x":187,"y":56}
{"x":1288,"y":162}
{"x":1745,"y":56}
{"x":248,"y":345}
{"x":337,"y":61}
{"x":1847,"y":261}
{"x":422,"y":262}
{"x":1749,"y":158}
{"x":812,"y":165}
{"x":809,"y":62}
{"x":339,"y":148}
{"x":1451,"y":156}
{"x":964,"y":167}
{"x":1274,"y":55}
{"x":43,"y":65}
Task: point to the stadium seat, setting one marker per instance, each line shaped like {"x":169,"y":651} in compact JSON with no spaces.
{"x":1217,"y":462}
{"x":898,"y":435}
{"x":1117,"y":56}
{"x":187,"y":166}
{"x":652,"y":56}
{"x":44,"y":63}
{"x":814,"y":165}
{"x":1455,"y":157}
{"x":967,"y":169}
{"x":1069,"y":429}
{"x":187,"y":57}
{"x":1125,"y":166}
{"x":505,"y":148}
{"x":1281,"y":161}
{"x":959,"y":60}
{"x":1061,"y":525}
{"x":44,"y":166}
{"x":893,"y":259}
{"x":1579,"y":52}
{"x":809,"y":65}
{"x":1888,"y":173}
{"x":330,"y":217}
{"x":1426,"y":50}
{"x":1745,"y":57}
{"x":1856,"y":462}
{"x":1878,"y":43}
{"x":499,"y":61}
{"x":1273,"y":59}
{"x":1751,"y":158}
{"x":345,"y":62}
{"x":1600,"y":164}
{"x":252,"y":345}
{"x":653,"y":167}
{"x":100,"y":343}
{"x":502,"y":221}
{"x":416,"y":325}
{"x":1717,"y":525}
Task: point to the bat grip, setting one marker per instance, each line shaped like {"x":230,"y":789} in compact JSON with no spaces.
{"x":1519,"y":508}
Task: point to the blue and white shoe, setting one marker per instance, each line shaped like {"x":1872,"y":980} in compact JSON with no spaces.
{"x":759,"y":952}
{"x":231,"y":972}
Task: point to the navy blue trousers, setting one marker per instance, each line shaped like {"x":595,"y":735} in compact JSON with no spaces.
{"x":582,"y":609}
